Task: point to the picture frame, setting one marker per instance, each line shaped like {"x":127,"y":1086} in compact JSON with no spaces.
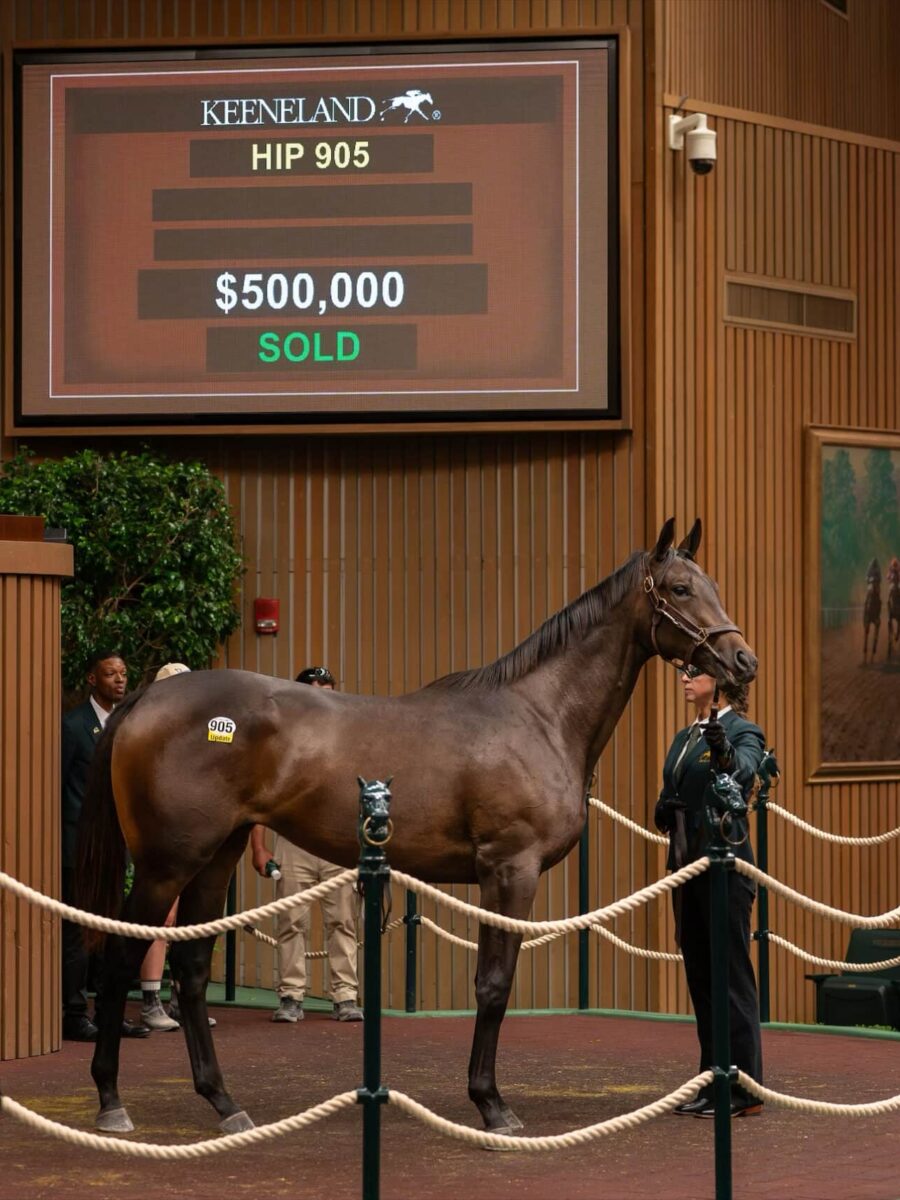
{"x":852,"y":677}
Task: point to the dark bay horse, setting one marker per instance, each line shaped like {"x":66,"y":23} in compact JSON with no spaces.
{"x":491,"y":772}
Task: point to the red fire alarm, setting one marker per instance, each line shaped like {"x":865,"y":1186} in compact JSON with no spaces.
{"x":265,"y":614}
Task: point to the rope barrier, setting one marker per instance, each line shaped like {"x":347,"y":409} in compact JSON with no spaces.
{"x":660,"y":955}
{"x":124,"y":1147}
{"x":174,"y":933}
{"x":863,"y":968}
{"x":270,"y":941}
{"x":569,"y":924}
{"x":660,"y":838}
{"x":882,"y":921}
{"x":876,"y":840}
{"x":821,"y":1107}
{"x":559,"y":1141}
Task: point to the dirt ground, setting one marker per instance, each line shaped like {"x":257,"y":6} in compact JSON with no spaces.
{"x":559,"y":1072}
{"x":860,"y":700}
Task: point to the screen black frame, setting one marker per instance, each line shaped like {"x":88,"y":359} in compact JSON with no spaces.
{"x":430,"y":421}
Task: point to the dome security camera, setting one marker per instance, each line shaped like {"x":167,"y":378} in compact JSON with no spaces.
{"x":701,"y":141}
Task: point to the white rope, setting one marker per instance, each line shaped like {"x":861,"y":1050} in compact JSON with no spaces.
{"x":883,"y":921}
{"x":658,"y":955}
{"x":513,"y":925}
{"x":550,"y":937}
{"x":270,"y":941}
{"x":174,"y":933}
{"x":876,"y":840}
{"x":131,"y":1149}
{"x":559,"y":1141}
{"x":632,"y":825}
{"x":863,"y":968}
{"x":822,"y":1107}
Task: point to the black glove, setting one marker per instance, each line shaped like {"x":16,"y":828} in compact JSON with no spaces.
{"x":721,"y":750}
{"x":664,"y":813}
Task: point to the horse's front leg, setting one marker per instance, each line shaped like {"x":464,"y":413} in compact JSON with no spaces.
{"x":510,"y":890}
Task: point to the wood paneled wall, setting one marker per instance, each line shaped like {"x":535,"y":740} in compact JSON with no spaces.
{"x":789,"y":58}
{"x":731,"y":408}
{"x":30,"y":699}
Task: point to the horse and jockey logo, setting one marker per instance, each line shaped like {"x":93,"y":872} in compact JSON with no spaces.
{"x":411,"y":100}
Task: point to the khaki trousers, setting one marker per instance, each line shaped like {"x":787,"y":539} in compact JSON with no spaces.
{"x":299,"y":871}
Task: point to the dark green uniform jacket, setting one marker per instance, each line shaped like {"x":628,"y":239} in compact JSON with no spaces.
{"x":688,"y":783}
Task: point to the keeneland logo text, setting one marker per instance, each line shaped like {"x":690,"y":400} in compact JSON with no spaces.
{"x":312,"y":110}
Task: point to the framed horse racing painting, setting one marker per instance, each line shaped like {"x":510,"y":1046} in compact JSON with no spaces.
{"x":852,"y":599}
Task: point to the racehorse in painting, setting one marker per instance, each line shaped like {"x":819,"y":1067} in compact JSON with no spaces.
{"x":872,"y":608}
{"x":491,"y":772}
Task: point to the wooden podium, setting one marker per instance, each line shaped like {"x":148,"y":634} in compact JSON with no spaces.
{"x":31,"y":571}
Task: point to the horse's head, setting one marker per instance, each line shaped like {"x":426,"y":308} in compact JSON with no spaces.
{"x":375,"y":809}
{"x":688,"y":624}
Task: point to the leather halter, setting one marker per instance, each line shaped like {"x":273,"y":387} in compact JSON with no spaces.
{"x":698,"y":634}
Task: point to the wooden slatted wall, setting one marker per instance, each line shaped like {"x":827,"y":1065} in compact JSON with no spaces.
{"x":30,"y":699}
{"x":398,"y":559}
{"x":732,"y":405}
{"x":797,"y":59}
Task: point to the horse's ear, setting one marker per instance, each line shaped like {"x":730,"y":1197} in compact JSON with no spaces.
{"x":360,"y":781}
{"x":389,"y":781}
{"x":691,"y":543}
{"x":665,"y":539}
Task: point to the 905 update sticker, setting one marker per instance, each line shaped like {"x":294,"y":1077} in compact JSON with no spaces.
{"x":221,"y":729}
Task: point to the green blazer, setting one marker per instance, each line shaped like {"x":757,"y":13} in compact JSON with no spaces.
{"x":80,"y":733}
{"x":688,"y":783}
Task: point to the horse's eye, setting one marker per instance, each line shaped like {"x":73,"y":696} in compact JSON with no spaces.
{"x":681,"y":589}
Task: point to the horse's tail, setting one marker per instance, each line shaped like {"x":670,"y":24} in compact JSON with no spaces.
{"x":101,"y":857}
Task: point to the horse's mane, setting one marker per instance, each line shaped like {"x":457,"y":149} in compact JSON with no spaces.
{"x":572,"y":621}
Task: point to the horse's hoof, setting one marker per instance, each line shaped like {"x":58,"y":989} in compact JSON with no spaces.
{"x":512,"y":1121}
{"x":114,"y":1120}
{"x":237,"y":1123}
{"x":503,"y":1131}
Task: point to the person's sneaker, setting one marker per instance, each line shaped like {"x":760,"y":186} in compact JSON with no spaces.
{"x":155,"y":1017}
{"x":288,"y":1009}
{"x":346,"y":1010}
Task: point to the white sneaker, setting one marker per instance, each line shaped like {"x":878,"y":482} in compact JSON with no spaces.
{"x":288,"y":1009}
{"x":155,"y":1017}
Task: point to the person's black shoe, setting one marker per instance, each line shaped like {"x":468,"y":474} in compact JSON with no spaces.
{"x":740,"y":1107}
{"x":134,"y":1031}
{"x":79,"y":1029}
{"x":690,"y":1108}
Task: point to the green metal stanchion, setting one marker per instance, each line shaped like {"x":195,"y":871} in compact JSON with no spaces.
{"x":726,"y":797}
{"x":375,"y":829}
{"x":769,"y":774}
{"x":583,"y":901}
{"x":412,"y":921}
{"x":231,"y":941}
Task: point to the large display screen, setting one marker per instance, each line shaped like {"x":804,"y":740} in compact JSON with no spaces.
{"x":404,"y":235}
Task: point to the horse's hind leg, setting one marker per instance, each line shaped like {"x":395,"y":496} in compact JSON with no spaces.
{"x":203,"y":900}
{"x":148,"y":904}
{"x":510,"y":892}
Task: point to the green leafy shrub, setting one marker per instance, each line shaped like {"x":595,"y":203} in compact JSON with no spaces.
{"x":156,"y":563}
